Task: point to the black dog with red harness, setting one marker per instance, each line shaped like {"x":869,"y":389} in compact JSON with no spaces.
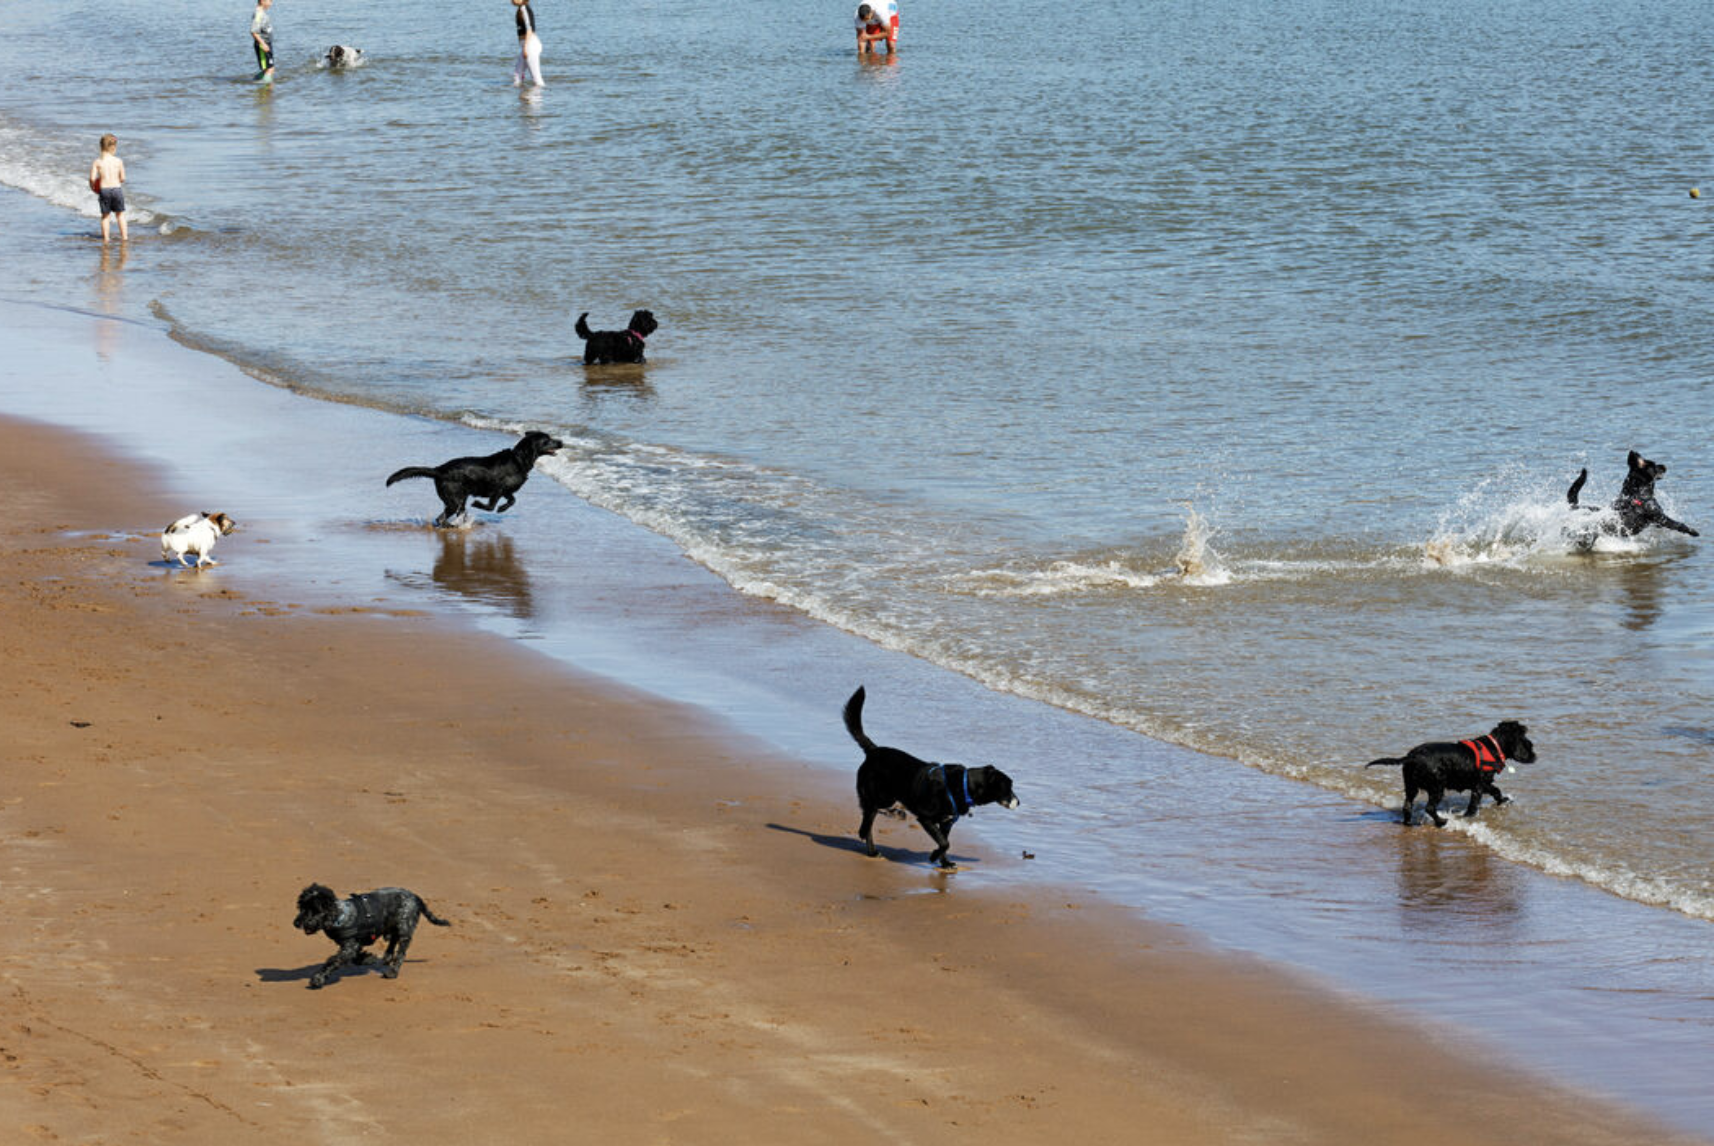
{"x":603,"y":346}
{"x":389,"y":913}
{"x":1459,"y":766}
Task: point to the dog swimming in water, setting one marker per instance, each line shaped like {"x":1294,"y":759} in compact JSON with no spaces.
{"x":602,"y":346}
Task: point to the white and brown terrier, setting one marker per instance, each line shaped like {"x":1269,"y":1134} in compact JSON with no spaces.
{"x":196,"y":534}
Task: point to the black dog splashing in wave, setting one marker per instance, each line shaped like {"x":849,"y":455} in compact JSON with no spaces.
{"x":1635,"y":507}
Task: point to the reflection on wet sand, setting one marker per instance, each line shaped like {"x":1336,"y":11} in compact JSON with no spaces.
{"x":626,"y":378}
{"x":1443,"y":879}
{"x":110,"y":296}
{"x":483,"y":565}
{"x":1641,"y":586}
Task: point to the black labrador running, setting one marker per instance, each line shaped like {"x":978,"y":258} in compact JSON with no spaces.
{"x":602,"y":346}
{"x":1635,"y":506}
{"x":389,"y":913}
{"x":936,"y":794}
{"x":495,"y":477}
{"x":1461,"y":766}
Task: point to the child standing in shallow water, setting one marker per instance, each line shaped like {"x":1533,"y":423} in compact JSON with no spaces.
{"x":262,"y":37}
{"x":107,"y":180}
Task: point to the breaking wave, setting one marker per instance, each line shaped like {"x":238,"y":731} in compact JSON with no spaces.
{"x":54,"y":169}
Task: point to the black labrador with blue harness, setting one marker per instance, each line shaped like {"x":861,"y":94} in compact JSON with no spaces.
{"x":389,"y":913}
{"x":936,"y":794}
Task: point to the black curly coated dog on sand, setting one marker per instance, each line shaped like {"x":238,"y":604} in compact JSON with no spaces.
{"x":601,"y":346}
{"x":494,"y":477}
{"x":389,"y":913}
{"x":1461,"y":766}
{"x":936,"y":794}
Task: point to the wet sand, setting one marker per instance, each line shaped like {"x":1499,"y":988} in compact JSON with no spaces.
{"x":662,"y":932}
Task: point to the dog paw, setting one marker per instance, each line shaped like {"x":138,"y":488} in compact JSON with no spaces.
{"x":316,"y":982}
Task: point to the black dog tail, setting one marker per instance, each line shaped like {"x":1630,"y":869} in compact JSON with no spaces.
{"x":854,"y":720}
{"x":429,"y":915}
{"x":1386,"y":762}
{"x":1577,"y":486}
{"x":412,"y":472}
{"x":583,"y":325}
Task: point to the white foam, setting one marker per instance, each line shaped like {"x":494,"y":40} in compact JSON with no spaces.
{"x":1514,"y":520}
{"x":639,"y":483}
{"x":1198,"y":563}
{"x":1060,"y":578}
{"x":1490,"y":832}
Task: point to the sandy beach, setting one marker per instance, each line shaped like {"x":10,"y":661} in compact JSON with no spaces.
{"x":661,"y":932}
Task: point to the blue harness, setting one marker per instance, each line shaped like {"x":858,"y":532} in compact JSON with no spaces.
{"x":958,"y":810}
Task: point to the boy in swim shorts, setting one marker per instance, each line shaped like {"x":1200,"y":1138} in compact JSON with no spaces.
{"x":107,"y":180}
{"x":877,"y":22}
{"x":262,"y":33}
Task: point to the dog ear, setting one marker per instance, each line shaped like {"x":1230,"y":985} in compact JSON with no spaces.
{"x":1636,"y":460}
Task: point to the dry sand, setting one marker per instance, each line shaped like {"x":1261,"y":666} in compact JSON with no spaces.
{"x":662,"y":933}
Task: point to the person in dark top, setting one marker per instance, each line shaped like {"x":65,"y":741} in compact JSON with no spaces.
{"x":529,"y":45}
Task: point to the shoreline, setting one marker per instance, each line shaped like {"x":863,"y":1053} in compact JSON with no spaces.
{"x":656,"y":920}
{"x":1464,"y":948}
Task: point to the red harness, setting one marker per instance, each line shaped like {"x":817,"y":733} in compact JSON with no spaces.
{"x":1486,"y":749}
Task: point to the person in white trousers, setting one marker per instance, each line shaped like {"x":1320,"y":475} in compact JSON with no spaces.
{"x":529,"y":46}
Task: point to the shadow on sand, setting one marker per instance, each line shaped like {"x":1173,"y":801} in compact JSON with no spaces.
{"x":855,"y":846}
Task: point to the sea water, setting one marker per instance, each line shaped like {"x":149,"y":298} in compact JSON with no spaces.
{"x":1213,"y":372}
